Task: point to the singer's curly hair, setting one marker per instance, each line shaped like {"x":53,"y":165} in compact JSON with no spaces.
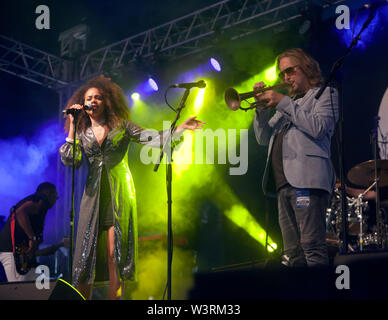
{"x":306,"y":63}
{"x":116,"y":109}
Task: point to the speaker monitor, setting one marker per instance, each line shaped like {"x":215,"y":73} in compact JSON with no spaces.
{"x":58,"y":290}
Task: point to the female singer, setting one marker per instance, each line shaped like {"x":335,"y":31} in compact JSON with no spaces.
{"x":106,"y":243}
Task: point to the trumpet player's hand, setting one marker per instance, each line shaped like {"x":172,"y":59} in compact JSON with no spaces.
{"x":267,"y":99}
{"x":257,"y":86}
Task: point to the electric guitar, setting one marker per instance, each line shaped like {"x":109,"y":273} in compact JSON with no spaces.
{"x":25,"y":261}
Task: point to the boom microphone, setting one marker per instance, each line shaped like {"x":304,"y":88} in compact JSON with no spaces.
{"x":189,"y":85}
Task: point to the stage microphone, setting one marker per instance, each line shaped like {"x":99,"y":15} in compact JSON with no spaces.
{"x":372,"y":7}
{"x":189,"y":85}
{"x":87,"y":106}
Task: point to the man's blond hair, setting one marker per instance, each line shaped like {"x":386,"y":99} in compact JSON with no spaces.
{"x":307,"y":64}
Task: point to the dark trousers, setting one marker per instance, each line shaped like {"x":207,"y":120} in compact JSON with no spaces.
{"x":303,"y":227}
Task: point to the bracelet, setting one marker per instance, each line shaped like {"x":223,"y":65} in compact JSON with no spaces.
{"x":34,"y":238}
{"x":69,"y":140}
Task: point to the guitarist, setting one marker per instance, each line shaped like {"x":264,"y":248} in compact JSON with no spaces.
{"x":24,"y":226}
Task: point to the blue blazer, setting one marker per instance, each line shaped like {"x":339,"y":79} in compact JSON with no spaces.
{"x":310,"y":124}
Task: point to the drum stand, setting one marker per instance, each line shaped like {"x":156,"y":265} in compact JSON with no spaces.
{"x":360,"y":210}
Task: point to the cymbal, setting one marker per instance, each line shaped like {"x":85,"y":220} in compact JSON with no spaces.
{"x":363,"y":174}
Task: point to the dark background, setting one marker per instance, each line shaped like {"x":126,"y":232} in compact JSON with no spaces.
{"x":26,"y":106}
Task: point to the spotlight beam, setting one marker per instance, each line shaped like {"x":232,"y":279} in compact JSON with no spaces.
{"x":241,"y":217}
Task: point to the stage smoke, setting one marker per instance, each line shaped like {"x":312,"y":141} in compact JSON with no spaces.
{"x":25,"y":162}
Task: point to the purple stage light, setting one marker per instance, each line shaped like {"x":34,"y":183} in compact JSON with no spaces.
{"x":153,"y":84}
{"x":215,"y":64}
{"x":369,"y":34}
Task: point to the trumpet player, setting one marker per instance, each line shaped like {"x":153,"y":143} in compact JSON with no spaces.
{"x":297,"y":129}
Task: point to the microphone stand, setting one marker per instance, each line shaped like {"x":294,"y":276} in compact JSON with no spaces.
{"x":72,"y":211}
{"x":381,"y":232}
{"x":333,"y":74}
{"x":168,"y":143}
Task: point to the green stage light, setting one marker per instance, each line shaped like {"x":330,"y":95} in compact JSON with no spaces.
{"x":199,"y":100}
{"x":241,"y":217}
{"x":270,"y":74}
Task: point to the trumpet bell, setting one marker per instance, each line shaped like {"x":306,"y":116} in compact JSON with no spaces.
{"x":232,"y":99}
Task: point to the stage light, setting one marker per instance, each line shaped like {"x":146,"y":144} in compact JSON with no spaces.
{"x":240,"y":216}
{"x":199,"y":100}
{"x":152,"y":83}
{"x":304,"y":27}
{"x":270,"y":74}
{"x":135,"y":96}
{"x":369,"y":35}
{"x":215,"y":64}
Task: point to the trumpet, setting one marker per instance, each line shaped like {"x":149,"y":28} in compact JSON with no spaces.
{"x":233,"y":98}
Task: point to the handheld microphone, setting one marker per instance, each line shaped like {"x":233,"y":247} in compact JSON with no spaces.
{"x":189,"y":85}
{"x":87,"y":106}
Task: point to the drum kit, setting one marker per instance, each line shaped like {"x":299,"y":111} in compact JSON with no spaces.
{"x":367,"y":229}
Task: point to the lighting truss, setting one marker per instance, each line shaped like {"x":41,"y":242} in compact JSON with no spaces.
{"x":178,"y":38}
{"x":191,"y":33}
{"x":31,"y":64}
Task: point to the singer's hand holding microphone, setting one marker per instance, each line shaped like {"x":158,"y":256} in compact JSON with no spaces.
{"x":70,"y":111}
{"x":76,"y":108}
